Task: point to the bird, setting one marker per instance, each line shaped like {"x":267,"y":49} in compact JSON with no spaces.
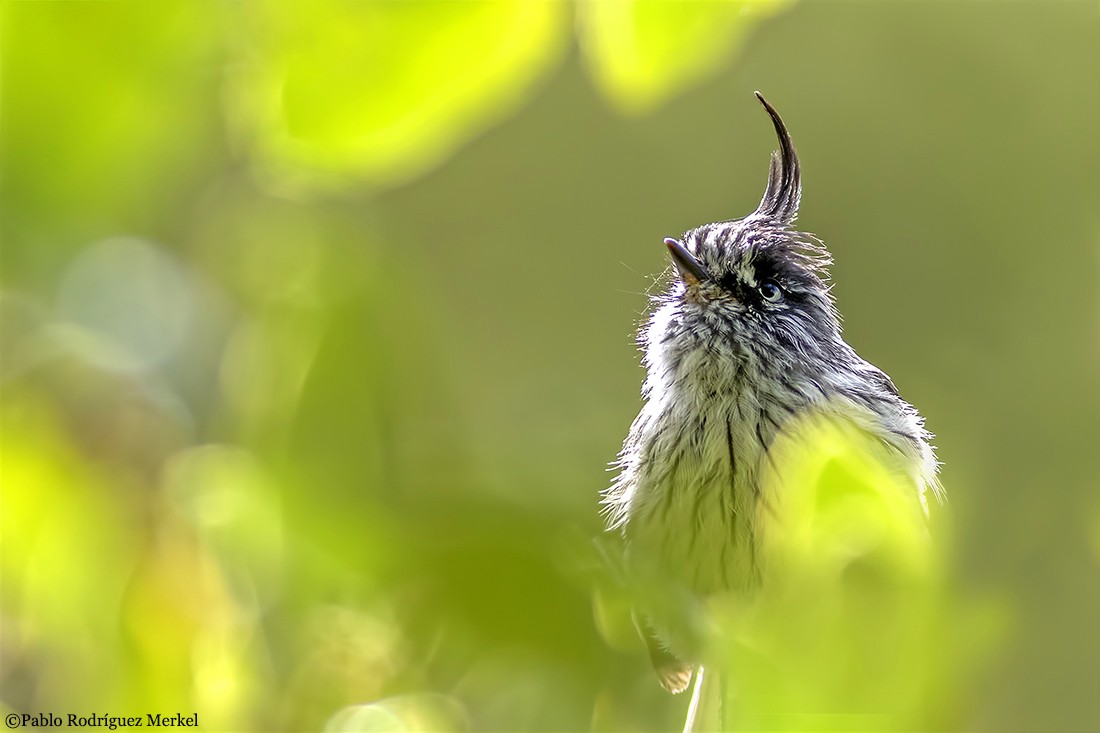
{"x":744,"y":342}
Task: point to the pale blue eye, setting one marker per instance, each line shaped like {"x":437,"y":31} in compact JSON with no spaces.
{"x":770,"y":291}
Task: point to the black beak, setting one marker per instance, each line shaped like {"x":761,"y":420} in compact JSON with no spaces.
{"x":691,"y":270}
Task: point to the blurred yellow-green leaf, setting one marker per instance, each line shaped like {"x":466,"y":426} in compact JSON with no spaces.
{"x":641,"y":52}
{"x":855,"y":626}
{"x":342,"y":90}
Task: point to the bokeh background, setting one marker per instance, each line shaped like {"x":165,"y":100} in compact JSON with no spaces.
{"x":317,"y":337}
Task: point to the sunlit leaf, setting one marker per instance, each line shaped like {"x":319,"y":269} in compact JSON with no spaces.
{"x":837,"y":496}
{"x":853,"y":628}
{"x":641,"y":52}
{"x":62,"y":541}
{"x":385,"y":90}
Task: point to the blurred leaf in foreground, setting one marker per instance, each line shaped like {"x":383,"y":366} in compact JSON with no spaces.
{"x":63,"y":557}
{"x":385,"y":90}
{"x":856,"y":627}
{"x":641,"y":52}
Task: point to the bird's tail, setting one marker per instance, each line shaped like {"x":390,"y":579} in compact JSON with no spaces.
{"x":706,"y":713}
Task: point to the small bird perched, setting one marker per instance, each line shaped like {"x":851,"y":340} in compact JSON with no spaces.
{"x":746,"y":338}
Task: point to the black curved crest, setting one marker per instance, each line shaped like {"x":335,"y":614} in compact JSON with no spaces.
{"x":781,"y":197}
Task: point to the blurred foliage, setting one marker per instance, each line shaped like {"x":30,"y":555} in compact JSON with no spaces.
{"x":314,"y":346}
{"x":385,"y":89}
{"x":643,"y":52}
{"x":857,"y":627}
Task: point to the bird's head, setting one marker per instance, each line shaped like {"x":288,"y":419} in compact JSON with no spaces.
{"x":755,"y":283}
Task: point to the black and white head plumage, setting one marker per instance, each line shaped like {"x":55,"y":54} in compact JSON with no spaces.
{"x":756,"y":282}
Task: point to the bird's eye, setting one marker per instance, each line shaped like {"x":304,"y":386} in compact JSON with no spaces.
{"x":770,"y":291}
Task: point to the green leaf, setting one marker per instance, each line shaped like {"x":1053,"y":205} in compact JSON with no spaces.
{"x":641,"y":52}
{"x":383,"y":91}
{"x":855,"y":626}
